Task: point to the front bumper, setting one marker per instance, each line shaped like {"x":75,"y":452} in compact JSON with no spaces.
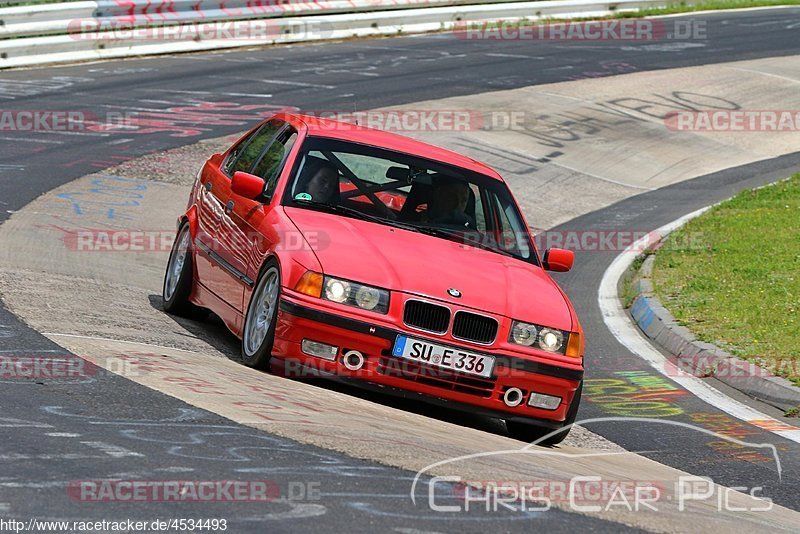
{"x":298,"y":320}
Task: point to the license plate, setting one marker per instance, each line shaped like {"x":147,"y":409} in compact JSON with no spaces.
{"x":446,"y":357}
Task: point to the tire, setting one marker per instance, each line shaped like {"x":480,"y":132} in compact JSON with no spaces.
{"x":258,"y":334}
{"x":178,"y":277}
{"x":531,"y":432}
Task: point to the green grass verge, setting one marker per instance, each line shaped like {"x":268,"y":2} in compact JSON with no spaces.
{"x":711,"y":5}
{"x":732,"y":276}
{"x":669,"y":9}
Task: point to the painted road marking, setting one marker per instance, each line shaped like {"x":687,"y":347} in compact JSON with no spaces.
{"x":12,"y":422}
{"x":518,"y":56}
{"x":299,"y":84}
{"x":114,"y":451}
{"x":27,"y":140}
{"x":15,"y":457}
{"x":253,"y":95}
{"x":95,"y":338}
{"x":629,"y":335}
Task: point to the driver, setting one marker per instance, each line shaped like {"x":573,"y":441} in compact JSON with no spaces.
{"x":449,"y":204}
{"x":323,"y":183}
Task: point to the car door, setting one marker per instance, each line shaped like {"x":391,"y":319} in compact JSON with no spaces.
{"x":223,"y":272}
{"x":209,"y":212}
{"x":256,"y":220}
{"x":247,"y":215}
{"x":233,"y":244}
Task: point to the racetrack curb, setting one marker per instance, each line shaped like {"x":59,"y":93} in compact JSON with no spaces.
{"x":695,"y":357}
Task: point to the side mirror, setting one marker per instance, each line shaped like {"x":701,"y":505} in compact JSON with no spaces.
{"x":247,"y":185}
{"x":558,"y":260}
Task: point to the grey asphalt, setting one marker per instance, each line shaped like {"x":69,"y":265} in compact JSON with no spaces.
{"x":366,"y":74}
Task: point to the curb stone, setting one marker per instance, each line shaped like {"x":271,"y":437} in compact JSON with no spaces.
{"x":699,"y":358}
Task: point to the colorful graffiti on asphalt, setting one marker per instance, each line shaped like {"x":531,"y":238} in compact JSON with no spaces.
{"x":107,"y":197}
{"x":634,"y":394}
{"x":727,"y":426}
{"x":188,"y":119}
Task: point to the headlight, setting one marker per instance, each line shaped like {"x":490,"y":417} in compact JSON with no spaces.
{"x":523,"y":334}
{"x":547,"y":339}
{"x":551,"y":340}
{"x":337,"y":290}
{"x":355,"y":294}
{"x":367,"y":297}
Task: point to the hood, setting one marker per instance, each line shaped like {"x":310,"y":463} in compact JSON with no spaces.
{"x":420,"y":264}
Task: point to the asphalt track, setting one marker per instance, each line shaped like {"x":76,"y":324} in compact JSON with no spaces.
{"x":676,"y":446}
{"x":333,"y":76}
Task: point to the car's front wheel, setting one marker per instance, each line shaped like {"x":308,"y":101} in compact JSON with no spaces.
{"x":259,"y":325}
{"x":532,"y":433}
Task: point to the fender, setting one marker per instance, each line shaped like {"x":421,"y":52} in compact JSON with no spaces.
{"x":191,"y":217}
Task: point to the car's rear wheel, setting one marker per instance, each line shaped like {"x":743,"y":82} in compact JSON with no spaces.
{"x":178,"y":278}
{"x":532,"y":433}
{"x":259,"y":325}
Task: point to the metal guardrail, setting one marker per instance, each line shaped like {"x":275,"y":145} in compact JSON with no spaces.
{"x":101,"y":29}
{"x":22,"y":2}
{"x":61,"y":18}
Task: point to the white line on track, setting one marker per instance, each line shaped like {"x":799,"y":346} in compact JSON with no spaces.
{"x":28,"y":351}
{"x":13,"y":422}
{"x":769,"y":74}
{"x":28,"y":140}
{"x":65,"y":132}
{"x":299,"y":84}
{"x":603,"y":178}
{"x":518,"y":56}
{"x":115,"y":451}
{"x":256,"y":95}
{"x":629,"y":335}
{"x":14,"y":457}
{"x":56,"y":334}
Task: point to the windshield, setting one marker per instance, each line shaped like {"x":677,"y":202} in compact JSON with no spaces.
{"x":417,"y":194}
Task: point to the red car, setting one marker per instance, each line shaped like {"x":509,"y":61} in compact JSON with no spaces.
{"x":361,"y":255}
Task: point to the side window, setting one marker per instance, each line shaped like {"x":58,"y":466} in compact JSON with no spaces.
{"x":480,"y":214}
{"x":245,"y":154}
{"x":510,"y":232}
{"x":274,"y":159}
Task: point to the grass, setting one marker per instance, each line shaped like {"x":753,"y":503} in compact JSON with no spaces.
{"x":628,"y":293}
{"x":732,"y":276}
{"x":711,"y":5}
{"x":669,"y":9}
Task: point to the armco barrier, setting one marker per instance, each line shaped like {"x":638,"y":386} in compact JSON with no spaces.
{"x":57,"y":18}
{"x":74,"y":31}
